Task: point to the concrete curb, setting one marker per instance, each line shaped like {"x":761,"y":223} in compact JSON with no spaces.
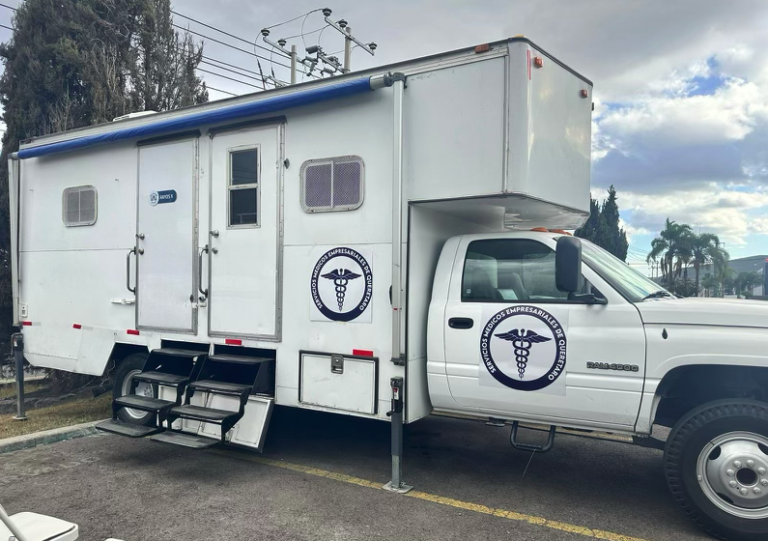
{"x":48,"y":436}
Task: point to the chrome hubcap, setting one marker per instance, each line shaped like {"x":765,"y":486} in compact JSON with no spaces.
{"x":142,"y":389}
{"x":732,"y":471}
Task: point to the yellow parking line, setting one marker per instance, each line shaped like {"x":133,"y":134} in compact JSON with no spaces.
{"x":477,"y":508}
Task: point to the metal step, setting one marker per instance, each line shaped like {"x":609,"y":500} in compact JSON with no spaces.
{"x":144,"y":403}
{"x":185,"y":353}
{"x":127,"y":429}
{"x":239,"y":359}
{"x":222,"y":387}
{"x":198,"y":413}
{"x":162,"y":378}
{"x":184,"y":440}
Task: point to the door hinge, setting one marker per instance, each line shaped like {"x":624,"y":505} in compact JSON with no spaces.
{"x":399,"y":361}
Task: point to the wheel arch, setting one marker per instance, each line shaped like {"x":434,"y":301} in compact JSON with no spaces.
{"x":687,"y":387}
{"x":120,"y":351}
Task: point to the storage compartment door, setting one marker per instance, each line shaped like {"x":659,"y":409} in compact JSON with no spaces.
{"x":338,"y":382}
{"x":165,"y":240}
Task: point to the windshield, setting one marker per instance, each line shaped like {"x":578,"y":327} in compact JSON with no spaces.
{"x":630,"y":283}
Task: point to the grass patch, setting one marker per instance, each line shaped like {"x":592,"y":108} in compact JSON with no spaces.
{"x":67,"y":414}
{"x":9,"y":390}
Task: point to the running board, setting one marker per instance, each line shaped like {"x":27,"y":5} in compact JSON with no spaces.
{"x":529,"y":446}
{"x":127,"y":429}
{"x":183,"y":439}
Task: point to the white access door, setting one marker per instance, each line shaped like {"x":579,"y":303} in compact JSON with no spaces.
{"x":165,"y":236}
{"x":244,"y":262}
{"x":516,"y":347}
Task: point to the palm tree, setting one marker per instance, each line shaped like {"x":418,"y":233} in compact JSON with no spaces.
{"x":710,"y":283}
{"x":674,"y":244}
{"x":706,"y":249}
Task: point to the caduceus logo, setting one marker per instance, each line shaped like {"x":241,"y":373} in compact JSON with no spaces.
{"x":522,"y":341}
{"x":341,"y":277}
{"x":352,"y":289}
{"x":539,"y":355}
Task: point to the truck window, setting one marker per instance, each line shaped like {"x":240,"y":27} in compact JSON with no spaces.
{"x":508,"y":270}
{"x":243,"y":188}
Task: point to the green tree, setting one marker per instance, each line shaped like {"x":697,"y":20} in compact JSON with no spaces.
{"x":612,"y":236}
{"x":163,"y":75}
{"x":673,"y":247}
{"x":72,"y":63}
{"x":706,"y":249}
{"x":711,"y":284}
{"x":602,"y":227}
{"x":589,"y":229}
{"x":745,"y":282}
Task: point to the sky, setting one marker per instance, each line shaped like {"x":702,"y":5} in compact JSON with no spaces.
{"x":680,"y":126}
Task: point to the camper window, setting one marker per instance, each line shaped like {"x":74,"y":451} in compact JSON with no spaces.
{"x":243,"y":188}
{"x":79,"y":206}
{"x":332,"y":184}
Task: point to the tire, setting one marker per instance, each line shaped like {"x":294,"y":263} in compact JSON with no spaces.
{"x":724,"y":442}
{"x":128,"y":367}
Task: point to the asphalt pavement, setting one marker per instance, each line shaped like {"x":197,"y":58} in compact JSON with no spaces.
{"x":318,"y":479}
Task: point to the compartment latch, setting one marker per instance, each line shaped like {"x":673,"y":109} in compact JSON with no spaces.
{"x":337,"y":364}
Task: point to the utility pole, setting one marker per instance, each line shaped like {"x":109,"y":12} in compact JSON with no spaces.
{"x":293,"y":64}
{"x":348,"y":50}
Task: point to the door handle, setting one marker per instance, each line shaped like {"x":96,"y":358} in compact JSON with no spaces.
{"x":460,"y":323}
{"x":204,"y":292}
{"x":128,"y":271}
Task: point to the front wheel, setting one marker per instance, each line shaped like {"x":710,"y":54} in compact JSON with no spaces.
{"x":716,"y":464}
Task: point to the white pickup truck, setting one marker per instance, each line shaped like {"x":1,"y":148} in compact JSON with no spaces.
{"x":637,"y":356}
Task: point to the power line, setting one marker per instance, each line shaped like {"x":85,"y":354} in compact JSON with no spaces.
{"x":232,"y":71}
{"x":8,"y":7}
{"x":8,"y":27}
{"x":218,"y":90}
{"x":230,"y":45}
{"x":296,"y":18}
{"x":249,"y":42}
{"x":227,"y":77}
{"x":230,"y":65}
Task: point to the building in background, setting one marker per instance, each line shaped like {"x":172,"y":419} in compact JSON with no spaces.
{"x":753,"y":263}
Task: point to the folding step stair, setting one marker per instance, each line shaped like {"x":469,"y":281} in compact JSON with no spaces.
{"x":168,"y":367}
{"x":235,"y":376}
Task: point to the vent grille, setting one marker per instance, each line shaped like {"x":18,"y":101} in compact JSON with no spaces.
{"x":332,"y":184}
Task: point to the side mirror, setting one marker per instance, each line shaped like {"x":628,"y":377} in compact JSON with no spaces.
{"x":568,"y":264}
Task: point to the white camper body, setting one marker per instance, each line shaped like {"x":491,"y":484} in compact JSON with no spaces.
{"x":227,"y":234}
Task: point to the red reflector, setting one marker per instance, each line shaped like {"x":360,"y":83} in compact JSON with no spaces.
{"x":77,"y":326}
{"x":26,"y":323}
{"x":484,"y":48}
{"x":233,"y":342}
{"x":538,"y":62}
{"x":363,"y":352}
{"x":132,"y":331}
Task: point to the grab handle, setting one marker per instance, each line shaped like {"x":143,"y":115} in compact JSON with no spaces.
{"x":204,"y":292}
{"x":128,"y":271}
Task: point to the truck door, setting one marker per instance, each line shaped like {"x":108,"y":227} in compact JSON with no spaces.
{"x":244,"y":270}
{"x":516,"y":347}
{"x":165,"y":239}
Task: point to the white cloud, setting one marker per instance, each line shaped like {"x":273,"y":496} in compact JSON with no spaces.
{"x":729,"y":114}
{"x":717,"y":210}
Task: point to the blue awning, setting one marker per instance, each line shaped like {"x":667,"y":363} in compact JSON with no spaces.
{"x":195,"y":120}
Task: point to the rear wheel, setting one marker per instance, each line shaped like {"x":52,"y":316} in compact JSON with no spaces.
{"x":126,"y":370}
{"x":716,"y":464}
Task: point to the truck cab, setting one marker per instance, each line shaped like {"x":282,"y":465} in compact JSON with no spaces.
{"x":538,"y":326}
{"x":506,"y":342}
